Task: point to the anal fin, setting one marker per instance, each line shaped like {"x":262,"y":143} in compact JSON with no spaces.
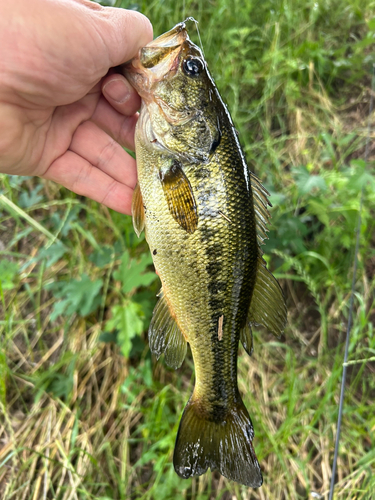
{"x":165,"y":336}
{"x":247,"y":339}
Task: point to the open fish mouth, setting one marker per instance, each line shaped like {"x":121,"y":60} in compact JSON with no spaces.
{"x":159,"y":59}
{"x":164,"y":47}
{"x":156,"y":66}
{"x":156,"y":59}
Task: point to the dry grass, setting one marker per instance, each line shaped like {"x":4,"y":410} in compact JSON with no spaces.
{"x":52,"y":446}
{"x":79,"y":448}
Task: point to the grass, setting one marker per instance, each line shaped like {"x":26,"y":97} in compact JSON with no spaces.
{"x":85,"y":411}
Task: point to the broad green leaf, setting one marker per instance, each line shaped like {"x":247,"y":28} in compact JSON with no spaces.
{"x":78,"y":296}
{"x":103,"y":256}
{"x":59,"y":308}
{"x":361,"y":177}
{"x":53,"y":253}
{"x":317,"y":207}
{"x":108,"y":337}
{"x":128,"y":319}
{"x":131,"y":272}
{"x":28,"y":199}
{"x":307,"y":183}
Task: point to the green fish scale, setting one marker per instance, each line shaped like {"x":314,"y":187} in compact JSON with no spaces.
{"x":209,"y":274}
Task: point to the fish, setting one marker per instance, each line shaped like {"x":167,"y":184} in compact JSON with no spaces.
{"x":204,"y":214}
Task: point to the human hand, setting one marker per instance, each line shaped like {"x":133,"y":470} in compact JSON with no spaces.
{"x":54,"y":120}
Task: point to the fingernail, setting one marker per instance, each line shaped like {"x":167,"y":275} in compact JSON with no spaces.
{"x":117,"y":90}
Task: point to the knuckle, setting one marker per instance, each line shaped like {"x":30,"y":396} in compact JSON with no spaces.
{"x":107,"y":154}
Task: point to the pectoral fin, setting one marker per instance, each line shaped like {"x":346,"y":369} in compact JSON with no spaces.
{"x":138,"y":211}
{"x":165,"y":336}
{"x":267,"y":306}
{"x":180,"y":197}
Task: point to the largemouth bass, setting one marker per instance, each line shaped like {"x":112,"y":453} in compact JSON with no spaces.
{"x":204,"y":215}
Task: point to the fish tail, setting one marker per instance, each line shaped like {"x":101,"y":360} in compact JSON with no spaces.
{"x":225,"y":445}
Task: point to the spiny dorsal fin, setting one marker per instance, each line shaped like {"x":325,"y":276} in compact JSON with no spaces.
{"x":180,"y":197}
{"x":138,"y":211}
{"x":261,"y":202}
{"x":165,"y":336}
{"x":247,"y":339}
{"x":267,"y":306}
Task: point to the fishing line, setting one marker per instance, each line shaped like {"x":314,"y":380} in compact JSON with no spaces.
{"x":199,"y":36}
{"x":351,"y":305}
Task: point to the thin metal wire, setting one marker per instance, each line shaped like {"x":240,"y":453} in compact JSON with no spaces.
{"x":351,"y":305}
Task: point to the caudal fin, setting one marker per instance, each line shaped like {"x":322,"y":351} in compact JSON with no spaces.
{"x":225,"y":446}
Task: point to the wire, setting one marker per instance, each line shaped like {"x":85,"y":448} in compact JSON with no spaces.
{"x":351,"y":305}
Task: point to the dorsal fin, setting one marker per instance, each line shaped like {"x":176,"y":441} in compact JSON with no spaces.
{"x":165,"y":336}
{"x":261,"y":204}
{"x":267,"y":306}
{"x":138,"y":211}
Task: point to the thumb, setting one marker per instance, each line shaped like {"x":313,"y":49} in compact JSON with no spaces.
{"x":124,"y":33}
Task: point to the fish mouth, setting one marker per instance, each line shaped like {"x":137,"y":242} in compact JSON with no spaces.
{"x":169,"y":40}
{"x":162,"y":52}
{"x":157,"y":59}
{"x":160,"y":60}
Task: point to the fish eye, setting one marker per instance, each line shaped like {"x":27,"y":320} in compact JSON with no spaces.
{"x":193,"y":66}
